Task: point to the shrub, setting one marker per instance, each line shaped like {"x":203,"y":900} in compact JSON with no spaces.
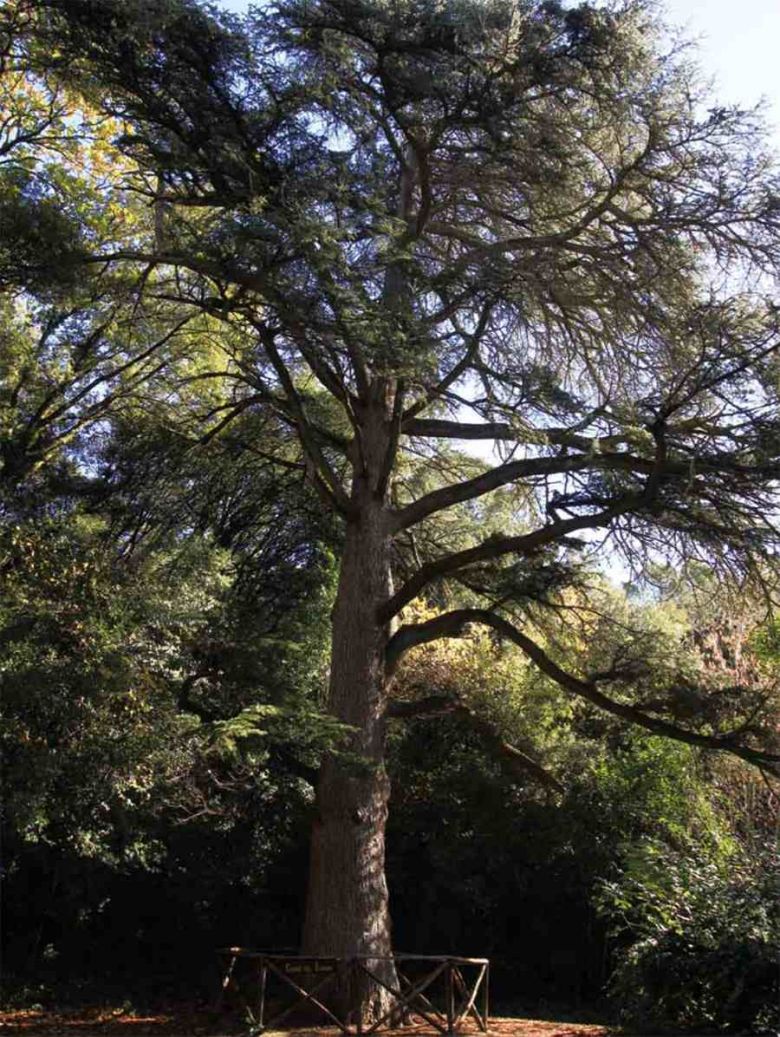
{"x":701,"y":936}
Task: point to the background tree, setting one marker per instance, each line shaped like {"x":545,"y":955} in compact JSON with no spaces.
{"x":515,"y":213}
{"x":161,"y":669}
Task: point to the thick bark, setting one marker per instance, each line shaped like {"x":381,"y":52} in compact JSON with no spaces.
{"x":347,"y":906}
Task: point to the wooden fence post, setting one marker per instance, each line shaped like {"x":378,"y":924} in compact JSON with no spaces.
{"x":450,"y":996}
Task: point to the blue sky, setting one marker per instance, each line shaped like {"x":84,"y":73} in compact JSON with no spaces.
{"x":738,"y":46}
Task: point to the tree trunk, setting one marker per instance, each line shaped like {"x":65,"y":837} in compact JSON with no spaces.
{"x":347,"y":906}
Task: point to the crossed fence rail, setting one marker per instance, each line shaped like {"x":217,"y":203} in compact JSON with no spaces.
{"x":424,"y":982}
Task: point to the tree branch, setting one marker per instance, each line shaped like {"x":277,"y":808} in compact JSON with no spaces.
{"x":219,"y":272}
{"x":453,"y":624}
{"x":526,"y":468}
{"x":393,"y":440}
{"x":515,"y":761}
{"x":659,"y":467}
{"x":454,"y":374}
{"x":325,"y":479}
{"x":438,"y":428}
{"x":494,"y":547}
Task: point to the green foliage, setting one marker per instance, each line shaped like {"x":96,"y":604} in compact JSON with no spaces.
{"x":91,"y":655}
{"x":247,"y":732}
{"x":649,"y":786}
{"x":704,"y":931}
{"x":296,"y":234}
{"x":691,"y":897}
{"x":40,"y":242}
{"x":131,"y":668}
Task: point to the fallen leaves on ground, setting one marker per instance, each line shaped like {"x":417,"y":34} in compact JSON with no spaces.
{"x":189,"y":1022}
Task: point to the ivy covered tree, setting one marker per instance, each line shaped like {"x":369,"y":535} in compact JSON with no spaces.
{"x":403,"y":226}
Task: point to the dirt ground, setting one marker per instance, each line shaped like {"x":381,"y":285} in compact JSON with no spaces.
{"x":113,"y":1022}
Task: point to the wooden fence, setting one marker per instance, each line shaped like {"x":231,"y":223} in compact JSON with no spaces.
{"x":442,"y":990}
